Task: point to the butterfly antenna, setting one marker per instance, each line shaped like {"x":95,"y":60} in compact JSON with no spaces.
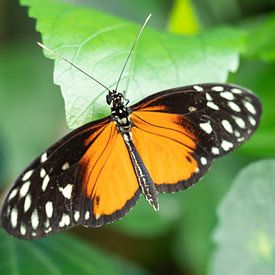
{"x":66,"y":60}
{"x":132,"y":48}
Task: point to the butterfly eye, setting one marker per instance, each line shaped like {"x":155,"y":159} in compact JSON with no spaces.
{"x":108,"y":99}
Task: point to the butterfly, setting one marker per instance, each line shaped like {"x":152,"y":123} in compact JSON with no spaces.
{"x":95,"y":174}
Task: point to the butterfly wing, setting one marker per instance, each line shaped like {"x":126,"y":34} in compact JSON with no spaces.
{"x":79,"y":180}
{"x":179,"y":132}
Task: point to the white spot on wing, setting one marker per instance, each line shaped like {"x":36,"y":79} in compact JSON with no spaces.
{"x":206,"y":127}
{"x":249,"y":107}
{"x":48,"y":230}
{"x":212,"y":105}
{"x":192,"y":109}
{"x":27,"y":175}
{"x":237,"y":133}
{"x":35,"y":219}
{"x":240,"y":122}
{"x":45,"y":182}
{"x":14,"y":215}
{"x":217,"y":88}
{"x":252,"y":120}
{"x":208,"y":97}
{"x":76,"y":215}
{"x":236,"y":91}
{"x":44,"y":157}
{"x":227,"y":95}
{"x":23,"y":229}
{"x":234,"y":106}
{"x":42,"y":172}
{"x":27,"y":202}
{"x":227,"y":126}
{"x":87,"y":215}
{"x":240,"y":139}
{"x":49,"y":209}
{"x":24,"y":189}
{"x":67,"y":191}
{"x":65,"y":220}
{"x":215,"y":151}
{"x":13,"y":194}
{"x":226,"y":145}
{"x":65,"y":166}
{"x":198,"y":88}
{"x":203,"y":161}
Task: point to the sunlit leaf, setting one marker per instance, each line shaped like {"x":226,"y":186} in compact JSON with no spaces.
{"x":245,"y":234}
{"x":134,"y":10}
{"x":99,"y":44}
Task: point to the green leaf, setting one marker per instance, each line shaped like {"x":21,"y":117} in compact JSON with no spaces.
{"x":60,"y":254}
{"x":261,"y":39}
{"x":134,"y":10}
{"x":99,"y":44}
{"x":245,"y":234}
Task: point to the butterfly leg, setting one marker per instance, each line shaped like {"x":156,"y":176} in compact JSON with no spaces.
{"x":144,"y":179}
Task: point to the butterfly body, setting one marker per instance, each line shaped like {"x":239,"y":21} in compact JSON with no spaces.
{"x":119,"y":111}
{"x":121,"y":115}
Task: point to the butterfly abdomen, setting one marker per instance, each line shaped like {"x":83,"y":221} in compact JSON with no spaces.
{"x":144,"y":179}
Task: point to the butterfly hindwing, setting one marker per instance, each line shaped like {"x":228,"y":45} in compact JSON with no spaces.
{"x":188,"y":127}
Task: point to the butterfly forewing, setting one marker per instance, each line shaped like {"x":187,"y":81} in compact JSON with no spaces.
{"x":47,"y":197}
{"x":217,"y":117}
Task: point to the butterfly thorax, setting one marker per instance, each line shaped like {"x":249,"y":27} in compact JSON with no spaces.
{"x":119,"y":110}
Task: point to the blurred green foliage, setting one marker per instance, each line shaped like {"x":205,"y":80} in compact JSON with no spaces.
{"x":230,"y":35}
{"x":51,"y":257}
{"x":27,"y":92}
{"x":245,"y":233}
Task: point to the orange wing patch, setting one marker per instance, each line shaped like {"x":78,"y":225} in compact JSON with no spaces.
{"x":165,"y":146}
{"x":108,"y":178}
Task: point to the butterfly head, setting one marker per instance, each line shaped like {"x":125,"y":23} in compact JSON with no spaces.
{"x":116,"y":100}
{"x":119,"y":110}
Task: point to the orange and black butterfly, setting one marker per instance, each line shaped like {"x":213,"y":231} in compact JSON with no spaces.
{"x":95,"y":174}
